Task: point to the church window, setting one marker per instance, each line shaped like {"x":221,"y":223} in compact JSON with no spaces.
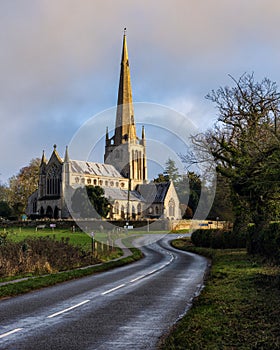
{"x":53,"y":180}
{"x":77,"y":180}
{"x":100,"y":182}
{"x":122,"y":185}
{"x":34,"y":206}
{"x":150,"y":210}
{"x":117,"y":184}
{"x":106,"y":183}
{"x":122,"y":212}
{"x":157,"y":210}
{"x":133,"y":212}
{"x":139,"y":209}
{"x":88,"y":181}
{"x":112,"y":183}
{"x":117,"y":208}
{"x":83,"y":180}
{"x":95,"y":182}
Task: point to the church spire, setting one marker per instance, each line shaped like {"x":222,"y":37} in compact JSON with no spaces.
{"x":125,"y":126}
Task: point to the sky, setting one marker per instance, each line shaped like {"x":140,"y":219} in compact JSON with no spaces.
{"x":60,"y":62}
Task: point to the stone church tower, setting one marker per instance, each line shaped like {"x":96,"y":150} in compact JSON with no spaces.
{"x":124,"y":150}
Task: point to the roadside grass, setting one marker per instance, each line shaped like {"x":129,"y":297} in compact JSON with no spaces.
{"x":34,"y":283}
{"x":78,"y":238}
{"x":237,"y":309}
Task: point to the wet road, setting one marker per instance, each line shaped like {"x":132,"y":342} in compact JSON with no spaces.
{"x":127,"y":308}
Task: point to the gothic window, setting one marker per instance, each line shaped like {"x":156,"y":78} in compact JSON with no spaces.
{"x":171,"y":207}
{"x":117,"y":208}
{"x":112,"y":183}
{"x":88,"y":181}
{"x":77,"y":180}
{"x":157,"y":210}
{"x":106,"y":183}
{"x":95,"y":182}
{"x":53,"y":180}
{"x":34,"y":206}
{"x":122,"y":212}
{"x":133,"y":213}
{"x":139,"y":209}
{"x":100,"y":182}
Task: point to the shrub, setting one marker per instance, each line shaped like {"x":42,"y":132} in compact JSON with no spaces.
{"x":218,"y":239}
{"x":265,"y":242}
{"x":41,"y":255}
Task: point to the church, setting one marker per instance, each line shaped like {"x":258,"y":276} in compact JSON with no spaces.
{"x":123,"y":175}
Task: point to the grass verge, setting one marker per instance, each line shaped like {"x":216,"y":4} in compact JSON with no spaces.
{"x":31,"y":284}
{"x":238,"y":308}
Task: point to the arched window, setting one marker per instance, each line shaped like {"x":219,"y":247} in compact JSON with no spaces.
{"x":117,"y":208}
{"x":133,"y":212}
{"x":53,"y":180}
{"x":122,"y":212}
{"x":157,"y":210}
{"x":34,"y":206}
{"x":139,"y":209}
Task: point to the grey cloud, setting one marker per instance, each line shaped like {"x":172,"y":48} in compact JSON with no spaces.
{"x":59,"y":60}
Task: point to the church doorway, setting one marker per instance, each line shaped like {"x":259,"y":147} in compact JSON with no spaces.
{"x":56,"y":213}
{"x":49,"y":212}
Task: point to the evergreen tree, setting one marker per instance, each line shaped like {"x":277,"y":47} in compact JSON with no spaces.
{"x":90,"y":202}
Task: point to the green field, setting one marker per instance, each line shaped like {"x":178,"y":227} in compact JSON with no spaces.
{"x":81,"y":239}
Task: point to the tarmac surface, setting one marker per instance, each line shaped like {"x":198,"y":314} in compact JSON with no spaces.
{"x":130,"y":307}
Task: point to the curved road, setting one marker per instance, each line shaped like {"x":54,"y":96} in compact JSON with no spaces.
{"x":130,"y":307}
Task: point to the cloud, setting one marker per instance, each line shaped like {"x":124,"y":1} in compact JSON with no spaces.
{"x":59,"y":61}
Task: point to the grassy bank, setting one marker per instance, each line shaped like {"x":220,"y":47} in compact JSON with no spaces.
{"x":38,"y":282}
{"x":238,"y":309}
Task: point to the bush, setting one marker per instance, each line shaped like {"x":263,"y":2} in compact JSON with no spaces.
{"x":265,"y":242}
{"x":218,"y":239}
{"x":41,"y":255}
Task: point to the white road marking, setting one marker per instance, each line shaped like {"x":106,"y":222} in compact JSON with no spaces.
{"x":11,"y":332}
{"x":111,"y":290}
{"x":137,"y":278}
{"x":68,"y":309}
